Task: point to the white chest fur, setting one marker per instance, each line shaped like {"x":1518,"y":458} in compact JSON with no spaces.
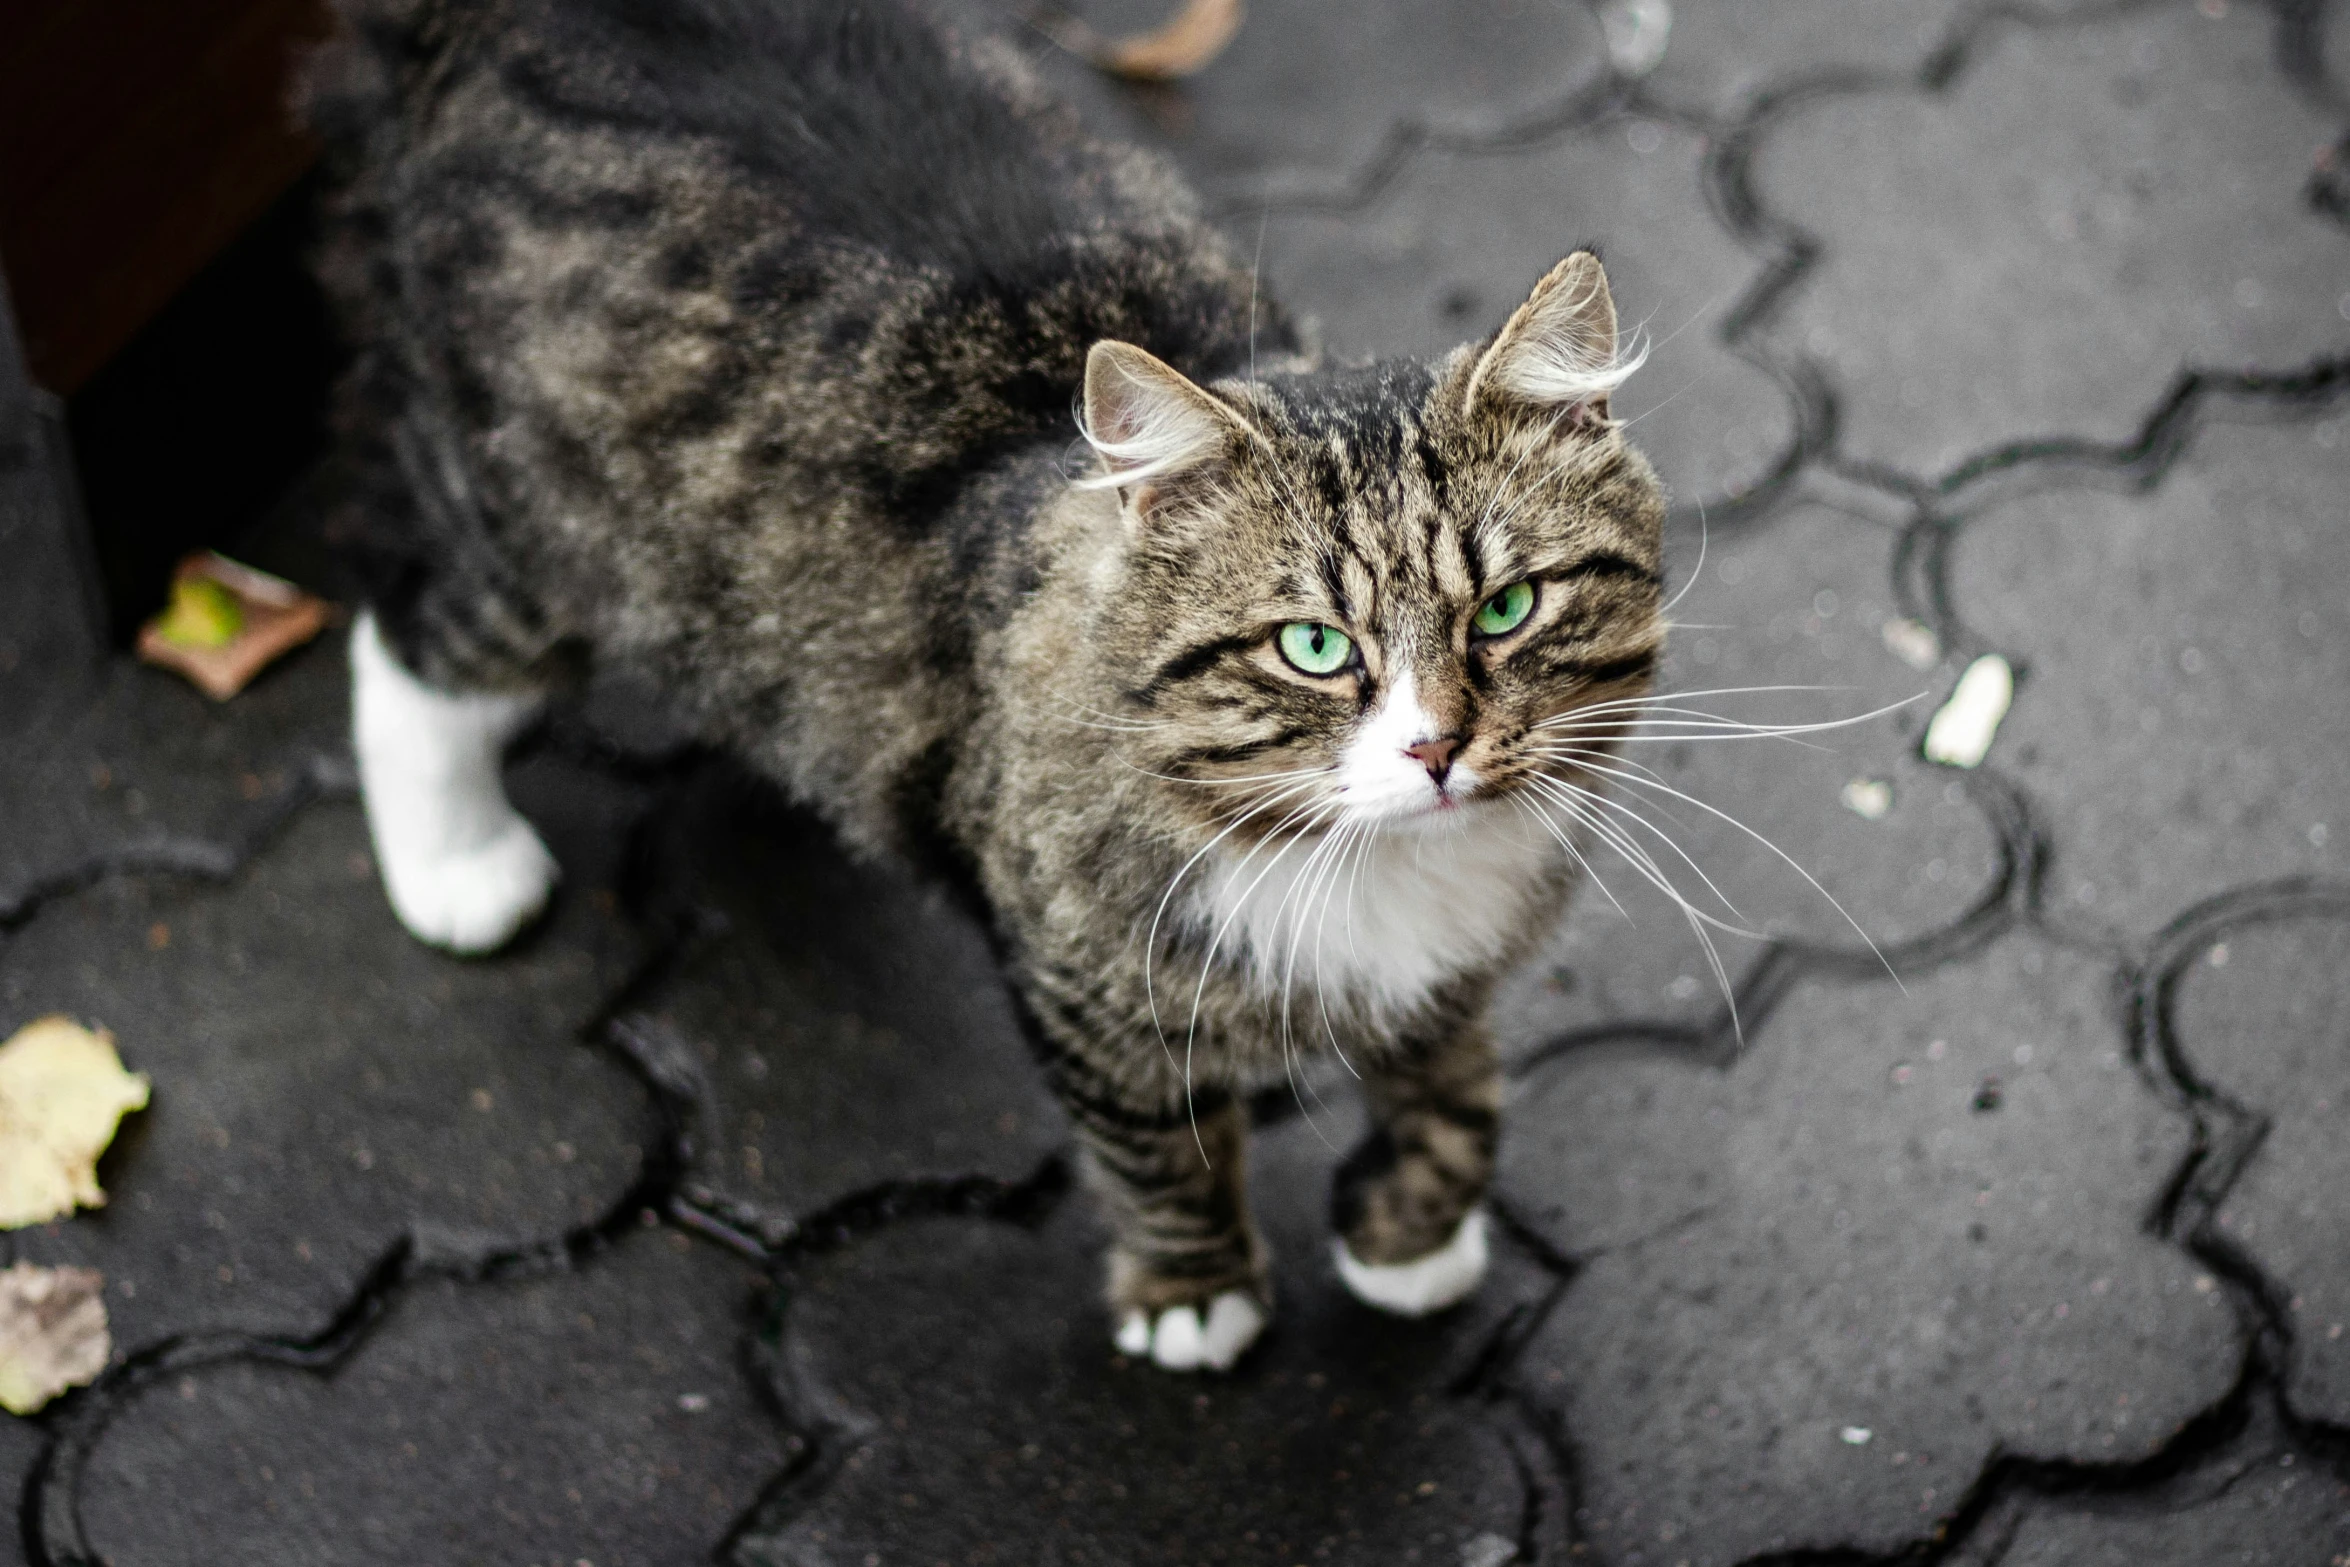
{"x":1379,"y":920}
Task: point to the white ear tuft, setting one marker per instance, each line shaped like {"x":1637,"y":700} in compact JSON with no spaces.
{"x":1559,"y":349}
{"x":1145,"y":420}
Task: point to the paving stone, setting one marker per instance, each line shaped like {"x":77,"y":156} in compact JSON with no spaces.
{"x":1823,"y":1287}
{"x":2287,"y":1513}
{"x":2336,"y":54}
{"x":998,"y":1425}
{"x":592,"y":1416}
{"x":20,"y":1445}
{"x":2187,"y":678}
{"x":852,"y":1024}
{"x":1740,"y":1256}
{"x":1752,"y":619}
{"x":2260,"y":1014}
{"x":49,"y":638}
{"x":50,"y":630}
{"x":146,"y":757}
{"x":1721,"y":53}
{"x":1302,"y":100}
{"x":2088,"y":209}
{"x":323,"y":1084}
{"x":1459,"y":241}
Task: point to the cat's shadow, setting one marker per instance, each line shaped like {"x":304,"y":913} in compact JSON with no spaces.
{"x":855,"y":1031}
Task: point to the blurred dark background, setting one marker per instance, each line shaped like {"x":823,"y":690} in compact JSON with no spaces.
{"x":155,"y":220}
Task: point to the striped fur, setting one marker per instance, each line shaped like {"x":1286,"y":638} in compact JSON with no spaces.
{"x":741,"y":343}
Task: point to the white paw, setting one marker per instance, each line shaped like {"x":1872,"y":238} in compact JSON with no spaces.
{"x":471,"y":901}
{"x":1181,"y":1342}
{"x":462,"y":868}
{"x":1446,"y":1276}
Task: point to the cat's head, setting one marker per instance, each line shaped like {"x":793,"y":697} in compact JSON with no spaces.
{"x":1380,"y":596}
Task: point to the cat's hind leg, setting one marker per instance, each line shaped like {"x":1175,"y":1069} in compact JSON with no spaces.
{"x":462,"y":868}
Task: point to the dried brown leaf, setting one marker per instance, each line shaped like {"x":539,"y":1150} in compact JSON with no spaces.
{"x":272,"y":617}
{"x":52,"y":1333}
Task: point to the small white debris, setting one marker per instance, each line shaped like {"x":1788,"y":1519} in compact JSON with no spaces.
{"x":1913,"y":642}
{"x":1960,"y":734}
{"x":1856,"y":1436}
{"x":1636,"y":34}
{"x":1488,"y":1550}
{"x":1868,"y":798}
{"x":693,"y":1403}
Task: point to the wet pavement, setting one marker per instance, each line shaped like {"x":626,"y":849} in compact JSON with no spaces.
{"x":723,"y":1218}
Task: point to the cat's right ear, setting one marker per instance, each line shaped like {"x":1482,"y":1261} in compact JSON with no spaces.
{"x":1147,"y":422}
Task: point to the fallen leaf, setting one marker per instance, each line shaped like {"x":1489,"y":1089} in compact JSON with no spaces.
{"x":227,"y":622}
{"x":1186,"y":43}
{"x":62,"y":1092}
{"x":201,"y":613}
{"x":52,"y":1333}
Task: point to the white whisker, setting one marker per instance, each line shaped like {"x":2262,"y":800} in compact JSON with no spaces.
{"x":1255,"y":263}
{"x":1640,"y":859}
{"x":1567,"y":842}
{"x":1314,"y":872}
{"x":1620,"y":808}
{"x":1358,"y":837}
{"x":1697,"y":918}
{"x":1703,"y":537}
{"x":1696,"y":723}
{"x":1654,"y":697}
{"x":1151,"y":941}
{"x":1311,"y":816}
{"x":1790,"y":861}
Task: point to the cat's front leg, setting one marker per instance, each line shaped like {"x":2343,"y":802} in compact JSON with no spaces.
{"x":1187,"y":1279}
{"x":1406,"y":1204}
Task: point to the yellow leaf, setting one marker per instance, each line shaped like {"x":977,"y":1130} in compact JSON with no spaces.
{"x":62,"y":1092}
{"x":52,"y":1333}
{"x":202,"y":613}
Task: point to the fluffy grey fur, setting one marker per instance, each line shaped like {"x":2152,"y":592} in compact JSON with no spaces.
{"x":742,"y":342}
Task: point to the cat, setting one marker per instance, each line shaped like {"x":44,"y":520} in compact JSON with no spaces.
{"x":940,"y":461}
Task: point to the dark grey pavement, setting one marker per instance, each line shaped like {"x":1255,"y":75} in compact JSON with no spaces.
{"x":724,"y":1218}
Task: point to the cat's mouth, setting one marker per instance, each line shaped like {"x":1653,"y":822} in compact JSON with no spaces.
{"x":1438,"y":809}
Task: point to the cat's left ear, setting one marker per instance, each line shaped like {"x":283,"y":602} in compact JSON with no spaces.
{"x":1558,"y":352}
{"x":1147,"y":422}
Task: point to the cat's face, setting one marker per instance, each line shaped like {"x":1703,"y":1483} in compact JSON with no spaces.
{"x":1381,"y":598}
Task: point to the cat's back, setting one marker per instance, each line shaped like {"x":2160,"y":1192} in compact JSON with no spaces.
{"x":829,"y":234}
{"x":736,"y":340}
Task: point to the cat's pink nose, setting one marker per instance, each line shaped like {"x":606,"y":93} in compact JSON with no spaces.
{"x":1436,"y":755}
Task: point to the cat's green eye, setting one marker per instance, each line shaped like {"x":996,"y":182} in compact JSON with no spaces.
{"x":1506,"y":611}
{"x":1315,"y":648}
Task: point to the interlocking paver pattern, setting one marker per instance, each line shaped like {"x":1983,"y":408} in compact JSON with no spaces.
{"x":724,"y":1216}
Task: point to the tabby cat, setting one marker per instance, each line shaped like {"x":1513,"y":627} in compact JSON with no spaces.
{"x":940,"y":461}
